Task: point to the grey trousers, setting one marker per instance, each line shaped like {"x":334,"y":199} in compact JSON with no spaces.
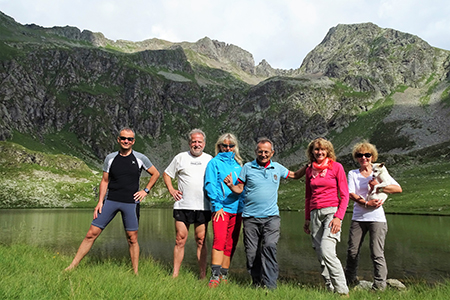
{"x":261,"y":237}
{"x":377,"y":232}
{"x":324,"y":242}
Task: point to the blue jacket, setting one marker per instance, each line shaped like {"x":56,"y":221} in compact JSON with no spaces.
{"x":218,"y":192}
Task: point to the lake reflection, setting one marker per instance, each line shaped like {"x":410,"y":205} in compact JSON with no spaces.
{"x":417,"y":247}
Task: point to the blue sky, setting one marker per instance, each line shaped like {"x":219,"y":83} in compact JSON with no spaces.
{"x":280,"y":31}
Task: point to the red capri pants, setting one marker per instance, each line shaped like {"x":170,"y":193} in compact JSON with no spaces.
{"x":226,"y":233}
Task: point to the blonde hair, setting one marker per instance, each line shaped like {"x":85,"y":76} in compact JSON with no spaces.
{"x":323,"y":144}
{"x":365,"y":147}
{"x":232,"y":138}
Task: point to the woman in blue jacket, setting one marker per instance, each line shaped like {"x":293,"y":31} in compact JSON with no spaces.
{"x":226,"y":206}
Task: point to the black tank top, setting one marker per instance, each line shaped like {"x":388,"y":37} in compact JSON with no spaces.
{"x":123,"y":178}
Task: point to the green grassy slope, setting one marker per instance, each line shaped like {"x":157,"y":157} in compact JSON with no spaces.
{"x":36,"y":179}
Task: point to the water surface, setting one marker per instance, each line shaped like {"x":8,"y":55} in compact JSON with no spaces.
{"x":417,"y":247}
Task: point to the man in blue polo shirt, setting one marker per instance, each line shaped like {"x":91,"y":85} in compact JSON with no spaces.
{"x":261,"y":217}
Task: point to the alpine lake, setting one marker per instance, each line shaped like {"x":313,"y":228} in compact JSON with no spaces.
{"x":417,"y":247}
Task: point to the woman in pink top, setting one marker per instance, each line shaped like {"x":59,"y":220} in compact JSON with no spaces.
{"x":326,"y":200}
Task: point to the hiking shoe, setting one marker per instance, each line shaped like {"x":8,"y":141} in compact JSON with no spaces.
{"x":379,"y":286}
{"x":224,"y":279}
{"x":353,"y":282}
{"x":214,"y":282}
{"x":329,"y":286}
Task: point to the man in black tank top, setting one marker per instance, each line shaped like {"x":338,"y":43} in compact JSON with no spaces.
{"x":119,"y":191}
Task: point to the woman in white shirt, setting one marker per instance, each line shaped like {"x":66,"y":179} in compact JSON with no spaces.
{"x":368,"y":216}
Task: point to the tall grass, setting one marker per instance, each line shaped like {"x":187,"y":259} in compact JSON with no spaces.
{"x":28,"y":272}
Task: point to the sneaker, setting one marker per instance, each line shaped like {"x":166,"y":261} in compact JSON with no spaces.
{"x":214,"y":282}
{"x":353,"y":282}
{"x":224,"y":279}
{"x":329,"y":286}
{"x":379,"y":286}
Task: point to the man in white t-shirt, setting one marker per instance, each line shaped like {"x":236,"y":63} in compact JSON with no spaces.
{"x":191,"y":205}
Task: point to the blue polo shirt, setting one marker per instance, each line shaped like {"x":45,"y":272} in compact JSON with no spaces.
{"x":261,"y":184}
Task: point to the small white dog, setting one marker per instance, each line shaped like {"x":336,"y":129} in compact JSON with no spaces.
{"x":381,"y":174}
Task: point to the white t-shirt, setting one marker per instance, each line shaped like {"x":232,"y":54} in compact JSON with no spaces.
{"x":359,"y":185}
{"x":190,"y":171}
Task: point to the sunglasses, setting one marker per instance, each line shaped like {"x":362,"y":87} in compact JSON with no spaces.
{"x":123,"y":138}
{"x":231,"y":146}
{"x":367,"y":155}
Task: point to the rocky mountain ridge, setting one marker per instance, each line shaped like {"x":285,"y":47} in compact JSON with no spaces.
{"x":215,"y":54}
{"x":61,"y":86}
{"x":369,"y":58}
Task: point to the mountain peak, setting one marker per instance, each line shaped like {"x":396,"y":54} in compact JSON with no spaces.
{"x":366,"y":49}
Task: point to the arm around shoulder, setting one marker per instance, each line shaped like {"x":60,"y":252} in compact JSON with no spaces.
{"x":299,"y":173}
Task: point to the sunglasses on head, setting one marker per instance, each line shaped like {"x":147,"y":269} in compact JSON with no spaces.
{"x":231,"y":146}
{"x":123,"y":138}
{"x":359,"y":155}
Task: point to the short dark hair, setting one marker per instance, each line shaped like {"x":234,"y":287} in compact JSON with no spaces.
{"x":126,"y":129}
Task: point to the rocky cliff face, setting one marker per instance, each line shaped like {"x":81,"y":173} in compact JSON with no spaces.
{"x":369,"y":58}
{"x":93,"y":93}
{"x":60,"y":80}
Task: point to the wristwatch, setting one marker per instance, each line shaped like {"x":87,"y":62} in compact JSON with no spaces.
{"x":147,"y":190}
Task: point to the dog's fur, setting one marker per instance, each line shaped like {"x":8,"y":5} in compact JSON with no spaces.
{"x":381,"y":174}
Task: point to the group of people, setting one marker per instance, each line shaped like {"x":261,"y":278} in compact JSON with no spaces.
{"x":229,"y":193}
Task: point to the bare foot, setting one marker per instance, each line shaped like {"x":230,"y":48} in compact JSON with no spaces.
{"x":69,"y":268}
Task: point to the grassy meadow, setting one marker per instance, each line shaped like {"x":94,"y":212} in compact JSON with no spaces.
{"x":37,"y":273}
{"x":33,"y":179}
